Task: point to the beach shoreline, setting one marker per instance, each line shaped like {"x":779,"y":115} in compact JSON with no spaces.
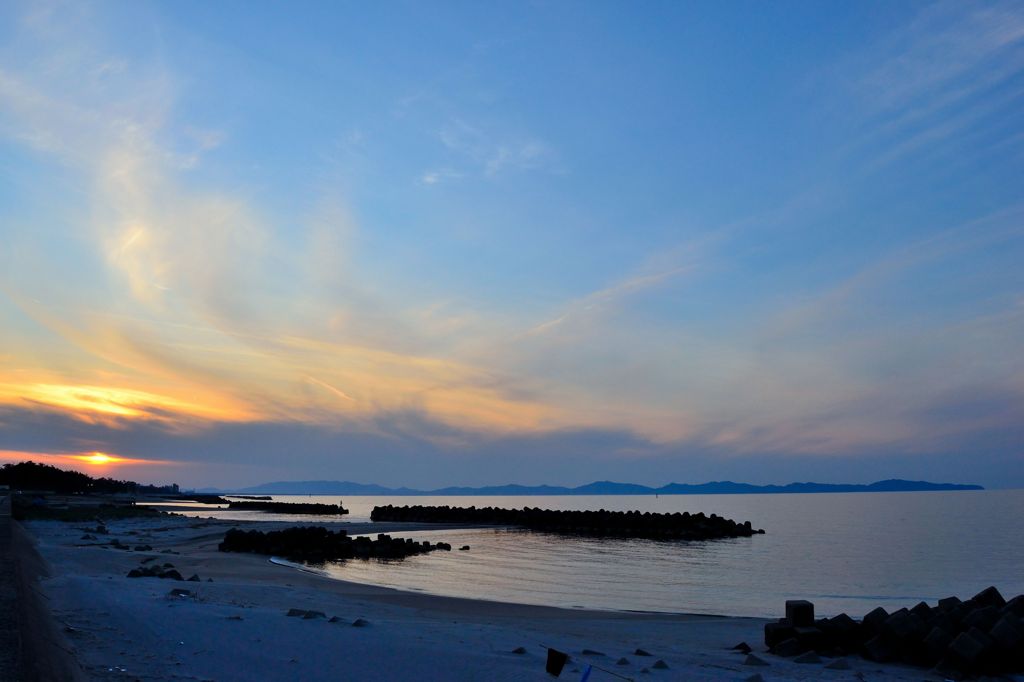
{"x":236,"y":627}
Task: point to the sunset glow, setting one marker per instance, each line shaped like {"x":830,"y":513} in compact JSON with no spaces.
{"x":706,"y":313}
{"x":89,"y":461}
{"x":97,"y":403}
{"x":98,"y":458}
{"x":703,"y":258}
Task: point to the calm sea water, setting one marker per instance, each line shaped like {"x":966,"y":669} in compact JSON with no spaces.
{"x":844,"y":552}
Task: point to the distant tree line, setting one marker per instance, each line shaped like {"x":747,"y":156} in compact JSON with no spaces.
{"x":33,"y":476}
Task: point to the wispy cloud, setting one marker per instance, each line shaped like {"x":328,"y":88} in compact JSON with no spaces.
{"x":941,"y":51}
{"x":193,"y":272}
{"x":151,"y":298}
{"x":951,"y":73}
{"x":439,"y":175}
{"x":601,"y":301}
{"x":493,"y":154}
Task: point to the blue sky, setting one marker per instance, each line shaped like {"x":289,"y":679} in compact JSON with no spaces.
{"x":463,"y":243}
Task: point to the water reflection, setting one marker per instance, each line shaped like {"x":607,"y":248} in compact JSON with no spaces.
{"x":845,"y":552}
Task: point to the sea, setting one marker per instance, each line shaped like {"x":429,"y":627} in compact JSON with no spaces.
{"x":846,"y":552}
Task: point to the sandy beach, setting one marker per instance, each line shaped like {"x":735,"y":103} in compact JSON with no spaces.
{"x":236,"y":628}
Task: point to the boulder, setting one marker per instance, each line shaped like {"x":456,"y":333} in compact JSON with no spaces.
{"x":982,"y":618}
{"x":790,"y":647}
{"x":171,"y":575}
{"x":968,"y":649}
{"x":292,"y":613}
{"x":902,"y":627}
{"x":838,"y":664}
{"x":556,"y":661}
{"x":989,"y":597}
{"x":622,"y":661}
{"x":751,"y":659}
{"x":641,"y":652}
{"x":874,"y":621}
{"x":1007,"y":634}
{"x":810,"y":638}
{"x":957,"y":614}
{"x":843,"y":632}
{"x":880,"y":650}
{"x":937,"y":641}
{"x":904,"y":632}
{"x":309,"y":615}
{"x":519,"y":650}
{"x":776,"y":633}
{"x":360,"y":623}
{"x":800,"y":612}
{"x":922,"y":611}
{"x":194,"y":578}
{"x":1015,"y":606}
{"x":945,"y":622}
{"x":949,"y":603}
{"x":660,"y":665}
{"x":743,"y":648}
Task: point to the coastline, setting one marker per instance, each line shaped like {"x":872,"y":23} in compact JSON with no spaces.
{"x":235,"y":627}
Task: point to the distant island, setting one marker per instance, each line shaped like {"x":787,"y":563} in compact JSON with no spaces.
{"x":596,"y":488}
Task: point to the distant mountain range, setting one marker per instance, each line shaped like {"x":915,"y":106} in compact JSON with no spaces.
{"x":596,"y":488}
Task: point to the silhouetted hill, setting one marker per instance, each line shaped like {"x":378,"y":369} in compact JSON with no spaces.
{"x":888,"y":486}
{"x":598,"y":488}
{"x":325,"y":488}
{"x":33,"y":476}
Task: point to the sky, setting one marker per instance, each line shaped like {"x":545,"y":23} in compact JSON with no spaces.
{"x":458,"y":243}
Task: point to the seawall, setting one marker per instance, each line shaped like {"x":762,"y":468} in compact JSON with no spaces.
{"x":32,"y":647}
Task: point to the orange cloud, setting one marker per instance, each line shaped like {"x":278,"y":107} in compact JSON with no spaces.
{"x":109,"y":403}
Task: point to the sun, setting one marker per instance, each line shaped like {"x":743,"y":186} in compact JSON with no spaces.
{"x":99,"y":458}
{"x":103,"y":460}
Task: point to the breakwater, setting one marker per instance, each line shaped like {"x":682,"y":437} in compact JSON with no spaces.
{"x":981,"y":635}
{"x":316,"y":545}
{"x":203,"y":499}
{"x":289,"y":507}
{"x":601,"y":523}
